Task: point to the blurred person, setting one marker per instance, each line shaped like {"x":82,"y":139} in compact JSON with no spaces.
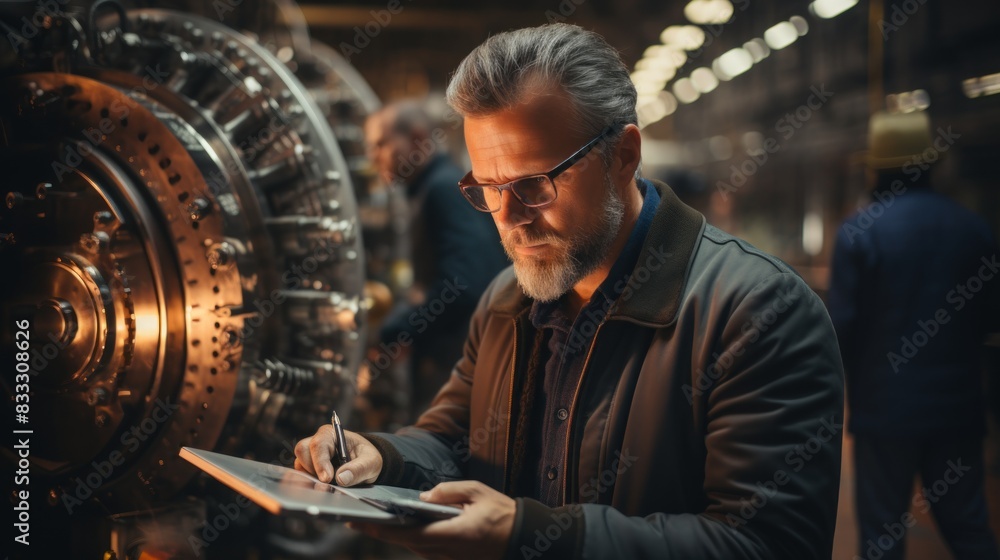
{"x":639,"y":384}
{"x":911,"y":279}
{"x":454,"y":250}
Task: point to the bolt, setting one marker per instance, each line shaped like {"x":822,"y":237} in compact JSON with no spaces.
{"x":94,"y":242}
{"x":103,"y":217}
{"x":14,"y":199}
{"x":42,"y":190}
{"x":101,"y":419}
{"x":230,"y":337}
{"x":198,"y":208}
{"x":89,"y":242}
{"x":46,"y":98}
{"x":221,"y":255}
{"x":97,"y":396}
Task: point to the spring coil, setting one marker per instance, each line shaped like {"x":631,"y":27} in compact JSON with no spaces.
{"x":283,"y":378}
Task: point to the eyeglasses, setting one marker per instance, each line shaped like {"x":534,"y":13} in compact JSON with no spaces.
{"x":533,"y":191}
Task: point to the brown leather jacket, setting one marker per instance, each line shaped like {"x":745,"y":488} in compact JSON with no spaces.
{"x":718,"y":389}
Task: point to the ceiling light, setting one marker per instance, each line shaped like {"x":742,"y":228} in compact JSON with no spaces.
{"x":706,"y":12}
{"x":650,"y":112}
{"x":669,"y":101}
{"x":685,"y":91}
{"x":827,"y":9}
{"x":812,"y":233}
{"x":800,"y":23}
{"x":659,"y":66}
{"x":733,"y":63}
{"x":908,"y":101}
{"x":720,"y":147}
{"x":983,"y":85}
{"x":704,"y":80}
{"x":781,"y":35}
{"x":687,"y":37}
{"x":757,"y":48}
{"x":648,"y":89}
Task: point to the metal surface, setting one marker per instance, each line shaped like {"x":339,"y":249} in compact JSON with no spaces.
{"x":181,"y":229}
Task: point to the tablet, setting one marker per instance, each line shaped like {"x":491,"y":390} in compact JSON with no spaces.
{"x":281,"y":490}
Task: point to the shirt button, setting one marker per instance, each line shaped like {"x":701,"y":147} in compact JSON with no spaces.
{"x":553,"y":473}
{"x":562,"y":414}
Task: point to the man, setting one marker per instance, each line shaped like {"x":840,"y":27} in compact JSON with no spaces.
{"x":911,"y":331}
{"x":454,"y":249}
{"x":640,"y":385}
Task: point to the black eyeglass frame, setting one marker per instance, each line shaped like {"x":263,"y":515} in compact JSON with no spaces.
{"x":465,"y":184}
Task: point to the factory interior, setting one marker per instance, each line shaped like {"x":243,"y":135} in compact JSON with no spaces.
{"x":204,"y":251}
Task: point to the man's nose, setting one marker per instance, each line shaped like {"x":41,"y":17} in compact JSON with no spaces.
{"x":512,"y":213}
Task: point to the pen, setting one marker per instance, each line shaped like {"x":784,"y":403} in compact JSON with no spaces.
{"x":342,"y":457}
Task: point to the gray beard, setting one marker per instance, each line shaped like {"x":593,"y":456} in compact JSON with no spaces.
{"x":548,"y":280}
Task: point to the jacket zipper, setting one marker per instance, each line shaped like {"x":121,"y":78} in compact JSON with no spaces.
{"x":510,"y":410}
{"x":572,"y":410}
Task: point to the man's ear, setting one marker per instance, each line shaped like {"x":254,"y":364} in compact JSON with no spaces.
{"x":628,"y":154}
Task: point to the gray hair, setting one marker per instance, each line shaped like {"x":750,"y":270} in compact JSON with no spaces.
{"x":499,"y":73}
{"x":408,"y":116}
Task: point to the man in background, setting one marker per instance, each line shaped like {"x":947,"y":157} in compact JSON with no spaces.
{"x":455,"y":250}
{"x":912,"y":279}
{"x":639,"y":384}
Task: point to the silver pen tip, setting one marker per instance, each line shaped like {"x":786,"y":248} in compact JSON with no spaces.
{"x":336,"y":419}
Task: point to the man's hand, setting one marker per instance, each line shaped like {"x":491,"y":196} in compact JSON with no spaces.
{"x":481,"y":531}
{"x":313,"y":455}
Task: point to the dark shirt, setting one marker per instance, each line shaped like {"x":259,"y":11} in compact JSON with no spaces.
{"x":564,"y":353}
{"x":912,"y":286}
{"x":456,"y":252}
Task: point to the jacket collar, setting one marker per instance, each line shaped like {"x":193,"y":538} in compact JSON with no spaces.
{"x":654,"y":289}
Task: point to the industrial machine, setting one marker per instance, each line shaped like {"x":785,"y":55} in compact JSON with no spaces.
{"x":180,"y":241}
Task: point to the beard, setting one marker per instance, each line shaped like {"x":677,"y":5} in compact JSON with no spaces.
{"x":548,"y":278}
